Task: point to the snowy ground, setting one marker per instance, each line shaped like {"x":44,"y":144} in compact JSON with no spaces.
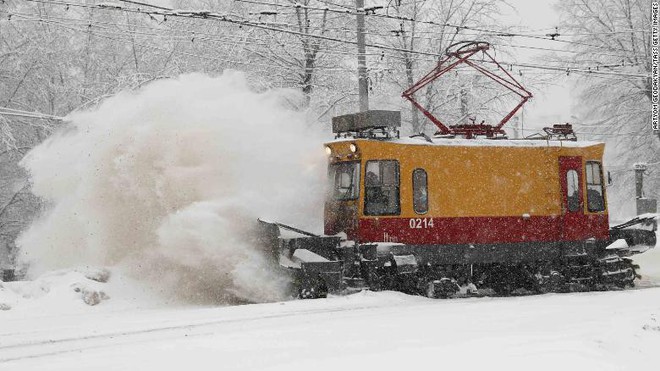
{"x":54,"y":330}
{"x":586,"y":331}
{"x":387,"y":331}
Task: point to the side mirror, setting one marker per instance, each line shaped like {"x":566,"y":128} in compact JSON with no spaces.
{"x":609,"y":178}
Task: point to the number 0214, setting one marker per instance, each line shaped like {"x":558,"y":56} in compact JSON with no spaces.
{"x":420,"y":223}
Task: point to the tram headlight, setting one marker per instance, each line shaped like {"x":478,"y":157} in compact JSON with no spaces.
{"x":353,"y":147}
{"x":328,"y":151}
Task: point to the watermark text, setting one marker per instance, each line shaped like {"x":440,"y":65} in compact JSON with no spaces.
{"x":655,"y":46}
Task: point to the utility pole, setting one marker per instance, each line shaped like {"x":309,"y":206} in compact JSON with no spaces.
{"x":365,"y":120}
{"x":639,"y":168}
{"x":644,"y":205}
{"x":522,"y":113}
{"x":362,"y":58}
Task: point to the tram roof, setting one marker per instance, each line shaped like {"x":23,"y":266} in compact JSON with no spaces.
{"x":480,"y":142}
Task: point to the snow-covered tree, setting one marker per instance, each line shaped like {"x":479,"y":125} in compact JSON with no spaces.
{"x":431,"y":26}
{"x":615,"y":34}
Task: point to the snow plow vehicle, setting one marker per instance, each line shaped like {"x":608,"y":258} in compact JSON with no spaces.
{"x":464,"y":212}
{"x":448,"y":215}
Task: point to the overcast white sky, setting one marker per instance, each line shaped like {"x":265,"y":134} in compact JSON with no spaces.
{"x":554,"y":103}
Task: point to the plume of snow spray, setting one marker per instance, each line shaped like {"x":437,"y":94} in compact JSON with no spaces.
{"x":168,"y":181}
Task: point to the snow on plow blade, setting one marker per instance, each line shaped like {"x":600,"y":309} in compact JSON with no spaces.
{"x":635,"y":236}
{"x":312,"y":261}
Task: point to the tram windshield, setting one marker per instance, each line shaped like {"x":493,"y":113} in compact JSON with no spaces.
{"x":344,"y":179}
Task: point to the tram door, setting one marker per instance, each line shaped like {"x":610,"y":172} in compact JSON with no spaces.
{"x":574,"y":221}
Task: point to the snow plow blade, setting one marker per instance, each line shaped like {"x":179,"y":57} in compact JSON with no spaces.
{"x":635,"y":236}
{"x":311,"y":261}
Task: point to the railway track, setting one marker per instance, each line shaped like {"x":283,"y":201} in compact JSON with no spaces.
{"x":48,"y":346}
{"x":25,"y":345}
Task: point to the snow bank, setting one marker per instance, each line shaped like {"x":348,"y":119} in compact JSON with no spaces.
{"x":166,"y":182}
{"x":62,"y":289}
{"x":77,"y":290}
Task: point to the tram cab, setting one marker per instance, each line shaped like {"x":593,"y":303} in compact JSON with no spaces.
{"x":452,"y":199}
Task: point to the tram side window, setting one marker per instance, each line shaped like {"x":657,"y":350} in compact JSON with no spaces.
{"x":420,"y":191}
{"x":344,"y":178}
{"x":595,"y":199}
{"x":573,"y":190}
{"x":381,"y":188}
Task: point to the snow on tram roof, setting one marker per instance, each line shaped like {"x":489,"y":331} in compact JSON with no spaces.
{"x":483,"y":142}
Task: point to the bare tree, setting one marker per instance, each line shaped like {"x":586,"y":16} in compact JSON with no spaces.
{"x":453,"y":21}
{"x":615,"y":34}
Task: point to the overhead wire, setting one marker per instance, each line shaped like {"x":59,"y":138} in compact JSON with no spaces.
{"x":133,"y":2}
{"x":112,"y":32}
{"x":198,"y":36}
{"x":372,"y":13}
{"x":109,"y":33}
{"x":214,"y":16}
{"x":6,"y":111}
{"x":349,"y":11}
{"x":112,"y":36}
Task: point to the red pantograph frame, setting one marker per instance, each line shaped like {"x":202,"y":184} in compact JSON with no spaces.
{"x":462,"y":56}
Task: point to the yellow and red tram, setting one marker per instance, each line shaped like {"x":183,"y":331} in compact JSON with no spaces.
{"x":468,"y":207}
{"x":482,"y":200}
